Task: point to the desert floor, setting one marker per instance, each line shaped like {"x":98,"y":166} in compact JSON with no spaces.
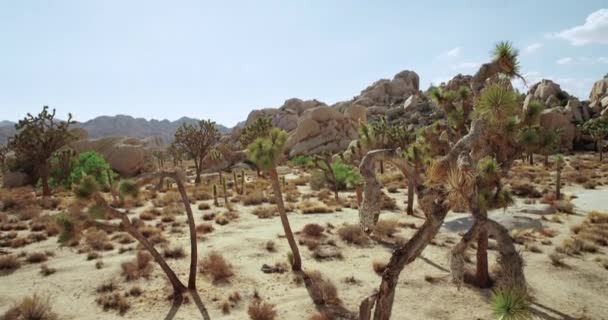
{"x":425,"y":291}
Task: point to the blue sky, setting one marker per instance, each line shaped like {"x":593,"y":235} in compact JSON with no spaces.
{"x":221,"y":59}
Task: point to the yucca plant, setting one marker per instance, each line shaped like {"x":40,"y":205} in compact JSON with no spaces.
{"x":507,"y":58}
{"x":511,"y":304}
{"x":266,"y":152}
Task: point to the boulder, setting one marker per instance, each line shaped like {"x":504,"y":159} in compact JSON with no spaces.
{"x":599,"y":90}
{"x":15,"y":179}
{"x":286,"y":116}
{"x":228,"y":159}
{"x":386,"y":92}
{"x":324,"y":129}
{"x":127,"y":156}
{"x":559,"y":117}
{"x":548,"y":93}
{"x":356,"y":113}
{"x":604,"y":102}
{"x":573,"y":107}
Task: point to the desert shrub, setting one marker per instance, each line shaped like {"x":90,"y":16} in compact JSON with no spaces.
{"x":33,"y":307}
{"x":353,"y":234}
{"x":301,"y":161}
{"x":311,"y":207}
{"x":91,"y":164}
{"x":327,"y":288}
{"x":346,"y":176}
{"x":253,"y":198}
{"x":204,"y":228}
{"x":138,"y":268}
{"x":215,"y":266}
{"x":265,"y":212}
{"x":313,"y":230}
{"x":86,"y":187}
{"x":9,"y":263}
{"x":204,"y":206}
{"x":270,"y":246}
{"x":98,"y":240}
{"x":386,"y":227}
{"x":114,"y":301}
{"x":29,"y":212}
{"x":128,"y":188}
{"x":260,"y":310}
{"x":107,"y":286}
{"x":174,"y":253}
{"x":36,"y":257}
{"x":379,"y":267}
{"x":46,"y":271}
{"x":511,"y":304}
{"x":557,"y":259}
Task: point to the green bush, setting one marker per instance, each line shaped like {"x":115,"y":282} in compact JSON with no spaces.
{"x":128,"y":188}
{"x":90,"y":163}
{"x":511,"y":304}
{"x":86,"y":188}
{"x":346,"y":176}
{"x":302,"y":161}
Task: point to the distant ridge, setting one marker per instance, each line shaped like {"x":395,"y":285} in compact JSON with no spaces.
{"x":121,"y":125}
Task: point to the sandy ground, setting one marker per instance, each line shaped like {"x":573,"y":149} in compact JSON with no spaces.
{"x":561,"y":293}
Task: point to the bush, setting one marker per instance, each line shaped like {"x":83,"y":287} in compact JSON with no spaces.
{"x":128,"y":188}
{"x":91,"y":164}
{"x":33,"y":307}
{"x":353,"y":234}
{"x":86,"y":188}
{"x":313,"y":230}
{"x":9,"y":263}
{"x":301,"y":161}
{"x":139,"y":268}
{"x":259,"y":310}
{"x":317,"y":180}
{"x":216,"y":267}
{"x":346,"y":176}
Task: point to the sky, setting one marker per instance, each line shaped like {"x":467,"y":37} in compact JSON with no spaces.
{"x":222,"y":59}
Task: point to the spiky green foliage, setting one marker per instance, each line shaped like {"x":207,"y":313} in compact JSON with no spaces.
{"x":511,"y":304}
{"x":346,"y":176}
{"x":266,"y":152}
{"x":532,"y":112}
{"x":301,"y":161}
{"x":86,"y":187}
{"x":91,"y":164}
{"x":497,"y":103}
{"x":128,"y":188}
{"x":488,"y":168}
{"x":597,"y":128}
{"x":507,"y":57}
{"x":259,"y":128}
{"x":367,"y":136}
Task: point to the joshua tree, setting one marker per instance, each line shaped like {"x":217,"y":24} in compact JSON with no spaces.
{"x":457,"y":105}
{"x":87,"y":190}
{"x":160,"y":158}
{"x":3,"y":152}
{"x":259,"y":128}
{"x":529,"y":139}
{"x":176,"y":154}
{"x":266,"y":152}
{"x":549,"y":143}
{"x":598,"y":129}
{"x":196,"y":141}
{"x":324,"y":163}
{"x":559,"y":165}
{"x":504,"y":61}
{"x":37,"y":139}
{"x":490,"y":142}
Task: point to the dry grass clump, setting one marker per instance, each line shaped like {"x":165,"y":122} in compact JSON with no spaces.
{"x":313,"y":230}
{"x":326,"y":288}
{"x":149,"y":215}
{"x":265,"y":211}
{"x":387,"y":203}
{"x":260,"y":310}
{"x":588,"y":235}
{"x":557,"y":259}
{"x":204,"y":228}
{"x":270,"y":246}
{"x":215,"y":266}
{"x":36,"y":257}
{"x":312,"y":207}
{"x":114,"y":301}
{"x":253,"y":198}
{"x":201,"y":194}
{"x":98,"y":240}
{"x":9,"y":263}
{"x":138,"y":268}
{"x":33,"y":307}
{"x":204,"y":206}
{"x":353,"y":234}
{"x":46,"y":271}
{"x":107,"y":286}
{"x":320,"y":316}
{"x":300,"y":180}
{"x":174,"y":253}
{"x":387,"y":227}
{"x":29,"y":212}
{"x":222,"y":220}
{"x":379,"y":267}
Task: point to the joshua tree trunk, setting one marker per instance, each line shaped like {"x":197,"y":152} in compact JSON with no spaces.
{"x":381,"y":167}
{"x":531,"y":159}
{"x":359,"y":194}
{"x":482,"y":277}
{"x":546,"y":160}
{"x":44,"y":179}
{"x":410,"y":197}
{"x":192,"y":228}
{"x":599,"y":149}
{"x":558,"y":182}
{"x":198,"y":169}
{"x":276,"y":189}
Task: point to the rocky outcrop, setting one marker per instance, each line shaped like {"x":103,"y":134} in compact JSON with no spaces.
{"x":599,"y":97}
{"x":548,"y":93}
{"x":286,"y":116}
{"x":386,"y":92}
{"x":417,"y":111}
{"x":560,"y":118}
{"x":127,"y":156}
{"x":325,"y":129}
{"x":228,"y":159}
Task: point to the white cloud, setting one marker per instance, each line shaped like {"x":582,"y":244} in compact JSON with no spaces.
{"x":452,"y":53}
{"x":581,"y":60}
{"x":532,"y":48}
{"x":466,"y":65}
{"x":593,"y":31}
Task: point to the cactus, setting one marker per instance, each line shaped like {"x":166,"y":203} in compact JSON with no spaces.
{"x":226,"y":203}
{"x":215,"y":203}
{"x":236,"y":185}
{"x":242,"y":181}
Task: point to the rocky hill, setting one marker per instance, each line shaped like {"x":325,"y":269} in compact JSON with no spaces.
{"x":121,"y":125}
